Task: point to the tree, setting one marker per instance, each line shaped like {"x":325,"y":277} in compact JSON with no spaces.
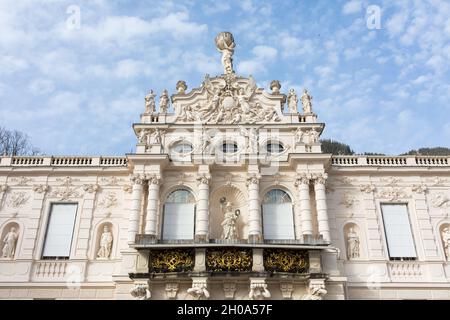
{"x":336,"y":147}
{"x":436,"y":151}
{"x":15,"y":143}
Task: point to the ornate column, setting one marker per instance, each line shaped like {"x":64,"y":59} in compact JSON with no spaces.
{"x":297,"y":220}
{"x":305,"y":208}
{"x":137,"y":181}
{"x":321,"y":205}
{"x":254,"y":206}
{"x":202,"y":215}
{"x":151,"y":218}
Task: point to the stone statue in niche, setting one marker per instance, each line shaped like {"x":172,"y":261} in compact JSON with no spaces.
{"x":9,"y":247}
{"x":229,"y":221}
{"x":446,"y":240}
{"x":259,"y":291}
{"x":352,"y":244}
{"x":164,"y":102}
{"x":150,"y":106}
{"x":225,"y":44}
{"x":105,"y":243}
{"x":292,"y":101}
{"x":306,"y":102}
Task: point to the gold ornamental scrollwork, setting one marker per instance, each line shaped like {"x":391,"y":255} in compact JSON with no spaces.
{"x":292,"y":261}
{"x":171,"y":261}
{"x":223,"y":260}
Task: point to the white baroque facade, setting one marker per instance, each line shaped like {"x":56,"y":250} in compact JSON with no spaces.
{"x":227,"y":197}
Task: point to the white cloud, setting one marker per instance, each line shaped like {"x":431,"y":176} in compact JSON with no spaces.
{"x":41,"y":86}
{"x":262,"y":56}
{"x":11,"y":64}
{"x":130,"y":68}
{"x":350,"y":7}
{"x":396,"y":24}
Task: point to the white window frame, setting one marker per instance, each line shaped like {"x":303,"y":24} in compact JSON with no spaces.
{"x":164,"y":215}
{"x":411,"y":230}
{"x":291,"y":211}
{"x":46,"y":230}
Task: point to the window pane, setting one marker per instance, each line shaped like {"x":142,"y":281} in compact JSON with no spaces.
{"x":60,"y":230}
{"x":180,"y":196}
{"x":178,"y":221}
{"x":276,"y":196}
{"x":278,"y":221}
{"x":398,"y":231}
{"x":229,"y":147}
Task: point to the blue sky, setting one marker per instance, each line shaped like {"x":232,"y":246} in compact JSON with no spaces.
{"x":77,"y":91}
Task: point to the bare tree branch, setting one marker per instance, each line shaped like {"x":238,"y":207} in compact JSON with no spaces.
{"x":16,"y":143}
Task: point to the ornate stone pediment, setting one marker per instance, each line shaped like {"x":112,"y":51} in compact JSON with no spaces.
{"x":228,"y":99}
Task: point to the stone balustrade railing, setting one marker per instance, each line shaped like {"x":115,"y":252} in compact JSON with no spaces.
{"x":61,"y":161}
{"x":50,"y":269}
{"x":399,"y":161}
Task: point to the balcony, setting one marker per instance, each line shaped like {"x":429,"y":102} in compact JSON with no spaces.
{"x":144,"y":241}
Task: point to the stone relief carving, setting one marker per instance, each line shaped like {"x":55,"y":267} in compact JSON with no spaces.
{"x":153,"y":178}
{"x":109,"y":200}
{"x":203,"y":178}
{"x":307,"y":137}
{"x":91,"y":188}
{"x":106,"y":241}
{"x":393,"y":194}
{"x":67,"y":189}
{"x":259,"y":291}
{"x":17,"y":199}
{"x":128,"y":188}
{"x":306,"y":102}
{"x":164,"y":102}
{"x":199,"y":289}
{"x":391,"y":181}
{"x":437,"y":181}
{"x":419,"y":188}
{"x":171,"y":290}
{"x":111,"y":181}
{"x":367,"y":188}
{"x":440,"y":200}
{"x":41,"y":188}
{"x":141,"y":291}
{"x":229,"y":289}
{"x":352,"y":244}
{"x":292,"y":101}
{"x":446,"y":241}
{"x":150,"y":106}
{"x":22,"y":181}
{"x":320,"y":178}
{"x":3,"y":188}
{"x":252,"y":178}
{"x":9,"y":244}
{"x":348,"y":200}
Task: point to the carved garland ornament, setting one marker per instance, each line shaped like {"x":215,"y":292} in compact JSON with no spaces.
{"x":229,"y":260}
{"x":279,"y":260}
{"x":171,"y":261}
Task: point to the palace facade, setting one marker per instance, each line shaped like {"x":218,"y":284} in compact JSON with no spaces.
{"x":228,"y":196}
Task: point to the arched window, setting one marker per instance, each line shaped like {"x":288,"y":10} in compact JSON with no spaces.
{"x":278,"y":220}
{"x":179,"y":212}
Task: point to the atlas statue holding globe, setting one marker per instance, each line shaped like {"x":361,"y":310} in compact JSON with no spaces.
{"x":225,"y":44}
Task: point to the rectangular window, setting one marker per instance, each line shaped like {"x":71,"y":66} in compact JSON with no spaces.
{"x":398,"y":232}
{"x":278,"y":221}
{"x":58,"y":239}
{"x":179,"y":221}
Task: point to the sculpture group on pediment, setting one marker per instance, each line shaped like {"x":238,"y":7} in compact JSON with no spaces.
{"x":150,"y":136}
{"x":227,"y":103}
